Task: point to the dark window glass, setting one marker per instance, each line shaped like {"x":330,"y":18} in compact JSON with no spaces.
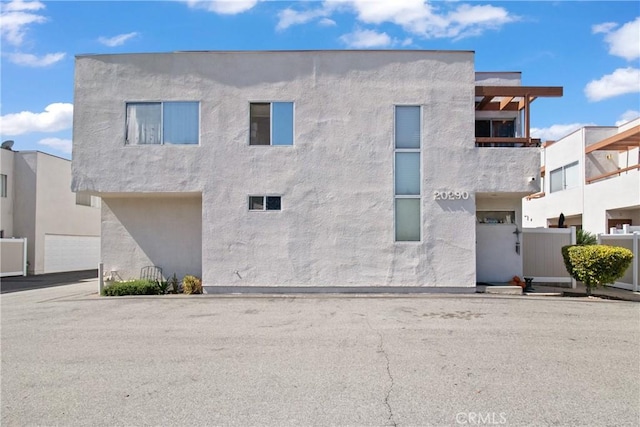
{"x":273,"y":203}
{"x":483,"y":128}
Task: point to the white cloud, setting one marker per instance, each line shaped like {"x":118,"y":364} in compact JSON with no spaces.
{"x":555,"y":132}
{"x":223,"y":7}
{"x":54,"y":118}
{"x":627,"y":116}
{"x":326,"y":22}
{"x":625,"y":41}
{"x":417,"y":17}
{"x":63,"y":145}
{"x":605,"y":27}
{"x":15,"y":17}
{"x":118,"y":40}
{"x":289,"y":17}
{"x":366,"y":39}
{"x":620,"y":82}
{"x":30,"y":60}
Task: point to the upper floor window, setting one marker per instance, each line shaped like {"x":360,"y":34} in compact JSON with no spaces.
{"x":271,"y":123}
{"x":163,"y":123}
{"x":563,"y":178}
{"x":3,"y":185}
{"x":496,"y":128}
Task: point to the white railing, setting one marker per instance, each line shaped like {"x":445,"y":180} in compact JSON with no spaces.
{"x":632,"y":242}
{"x":542,"y":254}
{"x":13,"y":257}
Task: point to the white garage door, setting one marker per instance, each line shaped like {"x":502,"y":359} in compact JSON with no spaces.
{"x":70,"y":253}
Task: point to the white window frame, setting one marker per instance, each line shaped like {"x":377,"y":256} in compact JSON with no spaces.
{"x":264,"y":202}
{"x":293,"y":124}
{"x":407,"y":150}
{"x":126,"y":122}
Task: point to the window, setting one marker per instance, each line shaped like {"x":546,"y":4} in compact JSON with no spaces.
{"x":163,"y":123}
{"x":264,"y":203}
{"x":3,"y":185}
{"x":495,"y":128}
{"x":271,"y":123}
{"x":407,"y":182}
{"x":564,"y":178}
{"x":84,"y":199}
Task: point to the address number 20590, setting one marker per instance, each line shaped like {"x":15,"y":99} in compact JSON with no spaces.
{"x":450,"y":195}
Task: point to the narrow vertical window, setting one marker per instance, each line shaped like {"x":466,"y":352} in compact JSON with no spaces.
{"x":407,"y":181}
{"x":271,"y":123}
{"x":3,"y":185}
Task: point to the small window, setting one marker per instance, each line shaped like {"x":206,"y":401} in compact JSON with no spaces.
{"x":163,"y":123}
{"x":271,"y":123}
{"x":3,"y":185}
{"x":264,"y":203}
{"x":84,"y":199}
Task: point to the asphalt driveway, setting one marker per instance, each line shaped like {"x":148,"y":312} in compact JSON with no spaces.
{"x":72,"y":358}
{"x":23,"y":283}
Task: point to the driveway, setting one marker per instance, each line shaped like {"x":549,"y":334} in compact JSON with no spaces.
{"x":23,"y":283}
{"x":72,"y":358}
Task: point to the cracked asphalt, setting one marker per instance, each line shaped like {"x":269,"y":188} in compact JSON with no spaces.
{"x":71,"y":358}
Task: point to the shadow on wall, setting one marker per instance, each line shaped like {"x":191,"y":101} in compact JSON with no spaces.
{"x":160,"y":231}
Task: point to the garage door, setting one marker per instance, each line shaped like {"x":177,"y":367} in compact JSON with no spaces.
{"x":70,"y":253}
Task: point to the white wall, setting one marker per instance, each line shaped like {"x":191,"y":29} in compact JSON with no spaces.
{"x":6,"y":203}
{"x":163,"y":231}
{"x":44,"y":204}
{"x":587,"y":203}
{"x":336,"y":226}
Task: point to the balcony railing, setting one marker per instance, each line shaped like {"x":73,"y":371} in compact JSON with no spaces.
{"x":509,"y":142}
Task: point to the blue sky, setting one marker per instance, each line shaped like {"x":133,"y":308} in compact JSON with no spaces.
{"x":590,"y":48}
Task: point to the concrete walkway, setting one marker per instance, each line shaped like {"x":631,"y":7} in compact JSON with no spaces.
{"x":581,"y":291}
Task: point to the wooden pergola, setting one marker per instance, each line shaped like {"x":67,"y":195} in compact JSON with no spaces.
{"x":512,"y":98}
{"x":623,"y":141}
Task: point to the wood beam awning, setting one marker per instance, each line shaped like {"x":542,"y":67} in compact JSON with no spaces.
{"x":512,"y":98}
{"x":622,"y":141}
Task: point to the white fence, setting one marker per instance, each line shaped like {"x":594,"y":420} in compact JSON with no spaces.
{"x":632,"y":242}
{"x":13,"y":257}
{"x":542,"y":254}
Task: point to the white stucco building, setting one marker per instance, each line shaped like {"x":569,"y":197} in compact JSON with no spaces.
{"x":592,"y":177}
{"x":306,"y":168}
{"x":62,"y":229}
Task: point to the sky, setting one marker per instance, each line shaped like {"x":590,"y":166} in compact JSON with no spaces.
{"x":590,"y":48}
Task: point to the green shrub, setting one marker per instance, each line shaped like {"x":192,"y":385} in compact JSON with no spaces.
{"x":191,"y":285}
{"x":596,"y":265}
{"x":585,"y":238}
{"x":132,"y":287}
{"x":175,"y":285}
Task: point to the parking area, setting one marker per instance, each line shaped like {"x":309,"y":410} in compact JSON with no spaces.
{"x":70,"y":357}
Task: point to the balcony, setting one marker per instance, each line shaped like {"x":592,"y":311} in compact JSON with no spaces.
{"x":502,"y":132}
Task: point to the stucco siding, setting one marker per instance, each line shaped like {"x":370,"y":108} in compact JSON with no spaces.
{"x":336,"y":225}
{"x":152,"y":231}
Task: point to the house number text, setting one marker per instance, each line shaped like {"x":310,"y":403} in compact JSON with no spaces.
{"x":450,"y":195}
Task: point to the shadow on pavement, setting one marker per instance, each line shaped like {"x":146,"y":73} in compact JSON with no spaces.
{"x":24,"y":283}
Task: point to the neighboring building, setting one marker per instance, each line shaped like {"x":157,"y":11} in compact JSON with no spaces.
{"x":62,"y":228}
{"x":306,"y":168}
{"x":592,"y":177}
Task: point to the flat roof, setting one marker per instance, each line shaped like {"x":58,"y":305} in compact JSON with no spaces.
{"x":282,"y":51}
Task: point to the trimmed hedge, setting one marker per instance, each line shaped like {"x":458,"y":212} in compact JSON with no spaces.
{"x":132,"y":287}
{"x":596,"y":265}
